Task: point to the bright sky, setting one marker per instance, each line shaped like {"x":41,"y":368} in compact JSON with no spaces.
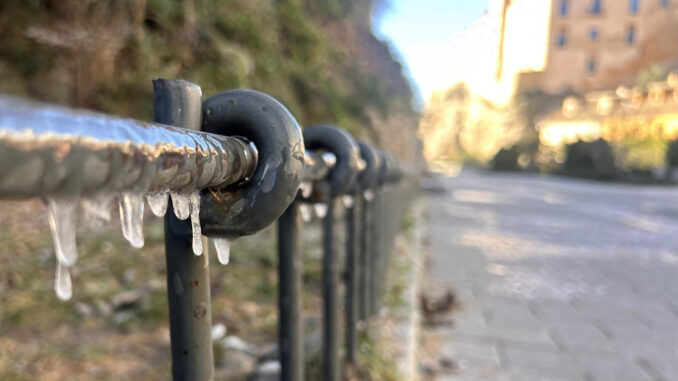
{"x":422,"y":31}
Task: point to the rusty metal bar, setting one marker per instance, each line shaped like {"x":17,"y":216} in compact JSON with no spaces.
{"x":178,"y":103}
{"x":289,"y":295}
{"x":317,"y":165}
{"x":48,"y":150}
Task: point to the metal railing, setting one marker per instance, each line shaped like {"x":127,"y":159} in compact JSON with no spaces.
{"x":249,"y":166}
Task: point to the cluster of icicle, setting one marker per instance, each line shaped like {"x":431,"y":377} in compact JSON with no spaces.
{"x":62,"y":213}
{"x":320,"y":209}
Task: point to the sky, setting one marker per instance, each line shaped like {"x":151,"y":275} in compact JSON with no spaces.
{"x":421,"y":31}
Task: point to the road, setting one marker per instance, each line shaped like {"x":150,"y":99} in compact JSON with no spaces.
{"x":557,"y":279}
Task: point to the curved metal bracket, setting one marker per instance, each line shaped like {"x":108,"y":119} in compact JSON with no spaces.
{"x":345,"y":149}
{"x":367,"y":179}
{"x":248,"y":207}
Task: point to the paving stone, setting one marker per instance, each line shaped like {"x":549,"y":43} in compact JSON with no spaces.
{"x":574,"y":290}
{"x":575,"y":364}
{"x":467,"y":352}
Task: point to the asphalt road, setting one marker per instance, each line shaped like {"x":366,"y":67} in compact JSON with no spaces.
{"x":558,"y":279}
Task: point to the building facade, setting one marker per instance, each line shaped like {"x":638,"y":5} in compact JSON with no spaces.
{"x":590,"y":44}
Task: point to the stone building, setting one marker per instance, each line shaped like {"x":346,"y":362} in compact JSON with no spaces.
{"x":588,"y":49}
{"x":560,"y":46}
{"x":596,"y":44}
{"x":624,"y":117}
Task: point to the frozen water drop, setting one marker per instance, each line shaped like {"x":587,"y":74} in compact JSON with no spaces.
{"x":223,"y":247}
{"x":62,"y":283}
{"x":369,"y":195}
{"x":158,"y":202}
{"x":194,"y":202}
{"x":131,"y":207}
{"x":320,"y":209}
{"x":62,"y":216}
{"x":181,"y":206}
{"x":306,"y":212}
{"x":347,"y":201}
{"x":97,"y":208}
{"x":306,"y":189}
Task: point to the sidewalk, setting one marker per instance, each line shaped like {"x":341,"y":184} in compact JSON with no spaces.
{"x":556,"y":280}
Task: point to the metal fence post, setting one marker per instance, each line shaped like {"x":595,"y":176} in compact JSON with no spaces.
{"x":352,"y":240}
{"x":178,"y":103}
{"x":330,"y":275}
{"x":289,"y":297}
{"x":363,"y":257}
{"x":376,"y":249}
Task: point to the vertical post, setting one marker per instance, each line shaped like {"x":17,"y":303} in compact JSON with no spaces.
{"x":375,"y":253}
{"x":178,"y":103}
{"x":385,"y":244}
{"x":363,"y":257}
{"x":289,"y":297}
{"x":351,"y":279}
{"x":330,"y":276}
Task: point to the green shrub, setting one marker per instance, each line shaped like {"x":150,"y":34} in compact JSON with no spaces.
{"x":672,"y":154}
{"x":506,"y":160}
{"x":590,"y":160}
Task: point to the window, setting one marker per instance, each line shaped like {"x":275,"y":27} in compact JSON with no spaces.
{"x":562,"y":38}
{"x":591,"y":65}
{"x":564,"y":8}
{"x":593,"y":33}
{"x":664,"y":3}
{"x":630,"y":34}
{"x":596,"y":7}
{"x":633,"y":6}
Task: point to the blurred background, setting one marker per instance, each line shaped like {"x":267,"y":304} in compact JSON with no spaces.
{"x":585,"y":88}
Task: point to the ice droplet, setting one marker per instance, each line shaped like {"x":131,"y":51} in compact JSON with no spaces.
{"x":223,"y":247}
{"x":97,"y":208}
{"x":306,"y":213}
{"x":131,"y":207}
{"x":369,"y":195}
{"x":320,"y":209}
{"x":62,"y":283}
{"x":306,"y":189}
{"x":158,"y":202}
{"x":347,"y":201}
{"x":62,"y":216}
{"x":194,"y":202}
{"x":181,"y":205}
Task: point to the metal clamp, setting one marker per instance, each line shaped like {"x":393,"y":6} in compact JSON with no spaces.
{"x":367,"y":179}
{"x":345,"y":149}
{"x":248,"y":207}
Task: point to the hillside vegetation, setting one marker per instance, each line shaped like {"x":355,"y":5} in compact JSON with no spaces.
{"x":319,"y":57}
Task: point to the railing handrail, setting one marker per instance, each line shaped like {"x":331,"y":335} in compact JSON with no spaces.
{"x":39,"y":141}
{"x":67,"y":155}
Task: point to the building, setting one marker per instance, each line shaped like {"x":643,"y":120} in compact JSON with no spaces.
{"x":623,"y":117}
{"x":589,"y":49}
{"x":598,"y":44}
{"x":560,"y":46}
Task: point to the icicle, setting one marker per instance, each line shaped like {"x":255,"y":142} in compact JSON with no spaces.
{"x":306,"y":189}
{"x":62,"y":216}
{"x":223,"y":247}
{"x":131,"y":207}
{"x":320,"y":209}
{"x":62,"y":283}
{"x":194,"y":202}
{"x":158,"y":202}
{"x":181,"y":205}
{"x":347,"y":201}
{"x":306,"y":212}
{"x":98,"y":208}
{"x":369,"y":195}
